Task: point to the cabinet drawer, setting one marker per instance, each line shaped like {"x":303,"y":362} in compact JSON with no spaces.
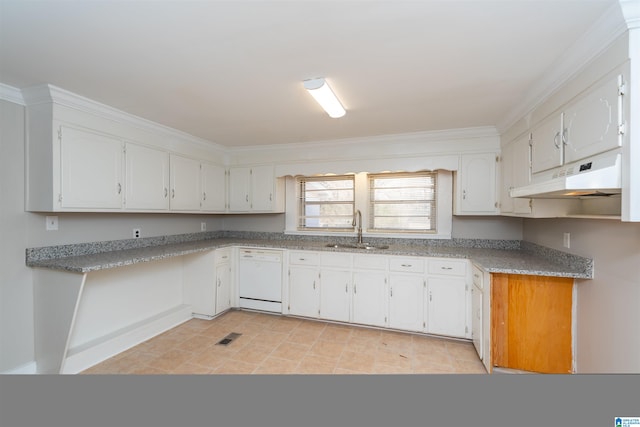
{"x":447,"y":267}
{"x":223,"y":255}
{"x":370,"y":262}
{"x":304,"y":258}
{"x":411,"y":265}
{"x":477,"y":276}
{"x":332,"y":259}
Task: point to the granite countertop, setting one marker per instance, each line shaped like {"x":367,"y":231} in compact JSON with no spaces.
{"x":524,"y":259}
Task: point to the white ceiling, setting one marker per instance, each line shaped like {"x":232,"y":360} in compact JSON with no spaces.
{"x":231,"y":71}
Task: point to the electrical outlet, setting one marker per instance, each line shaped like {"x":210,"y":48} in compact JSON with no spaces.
{"x":51,"y":223}
{"x":566,"y":241}
{"x":137,"y":233}
{"x":203,"y":226}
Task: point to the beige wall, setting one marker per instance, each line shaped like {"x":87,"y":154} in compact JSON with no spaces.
{"x":608,"y":327}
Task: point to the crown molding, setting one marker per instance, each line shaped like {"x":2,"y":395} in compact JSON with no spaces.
{"x":423,"y":137}
{"x":48,"y":93}
{"x":631,"y":12}
{"x":594,"y":42}
{"x":11,"y":94}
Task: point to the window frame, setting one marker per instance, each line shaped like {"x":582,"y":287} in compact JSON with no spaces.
{"x":433,"y":202}
{"x":302,"y":204}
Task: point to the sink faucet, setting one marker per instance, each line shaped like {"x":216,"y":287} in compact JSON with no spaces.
{"x":358,"y":215}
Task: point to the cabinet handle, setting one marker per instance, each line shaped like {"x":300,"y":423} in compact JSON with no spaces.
{"x":564,"y":136}
{"x":166,"y":192}
{"x":354,"y":288}
{"x":446,"y":268}
{"x":247,"y":198}
{"x":476,"y":276}
{"x":346,"y":287}
{"x":314,"y":284}
{"x":406,"y":265}
{"x":391,"y":291}
{"x":430,"y":296}
{"x":464,"y":194}
{"x":173,"y":193}
{"x":270,"y":197}
{"x":119,"y":188}
{"x":555,"y":140}
{"x":204,"y":196}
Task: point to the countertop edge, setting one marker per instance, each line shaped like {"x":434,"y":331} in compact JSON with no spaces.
{"x":120,"y":258}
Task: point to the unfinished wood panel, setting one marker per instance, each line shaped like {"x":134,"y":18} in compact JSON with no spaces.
{"x":532,"y":323}
{"x":499,"y":319}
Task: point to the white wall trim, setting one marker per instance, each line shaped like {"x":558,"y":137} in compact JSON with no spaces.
{"x":48,"y":93}
{"x":26,"y":369}
{"x":590,"y":45}
{"x":11,"y":94}
{"x":410,"y":137}
{"x":79,"y":359}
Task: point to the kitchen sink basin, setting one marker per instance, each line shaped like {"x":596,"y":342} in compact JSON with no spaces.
{"x":356,"y":246}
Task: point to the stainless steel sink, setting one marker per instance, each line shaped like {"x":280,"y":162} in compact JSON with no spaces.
{"x":356,"y":246}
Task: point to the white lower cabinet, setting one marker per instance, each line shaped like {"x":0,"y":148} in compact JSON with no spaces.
{"x":304,"y":291}
{"x":406,"y":306}
{"x":223,"y":280}
{"x":406,"y":293}
{"x":447,"y":298}
{"x":417,"y":294}
{"x":446,"y":307}
{"x":335,"y":295}
{"x":304,"y":281}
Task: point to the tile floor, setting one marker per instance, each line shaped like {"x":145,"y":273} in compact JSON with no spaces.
{"x":272,"y":344}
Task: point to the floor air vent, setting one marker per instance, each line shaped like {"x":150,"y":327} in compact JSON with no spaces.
{"x":228,"y":339}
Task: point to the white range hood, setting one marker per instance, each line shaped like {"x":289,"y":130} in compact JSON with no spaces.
{"x":597,"y":176}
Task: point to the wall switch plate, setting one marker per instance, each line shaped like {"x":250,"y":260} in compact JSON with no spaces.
{"x":137,"y":233}
{"x":52,"y":223}
{"x":203,"y":226}
{"x":566,"y":240}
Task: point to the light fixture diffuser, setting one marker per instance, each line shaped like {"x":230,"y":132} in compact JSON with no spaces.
{"x":322,"y":93}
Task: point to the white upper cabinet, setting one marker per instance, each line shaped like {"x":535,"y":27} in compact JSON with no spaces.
{"x":213,"y":188}
{"x":546,"y":144}
{"x":255,"y":189}
{"x":516,"y":172}
{"x":239,"y":187}
{"x":185,"y":183}
{"x":590,"y":124}
{"x":90,"y":170}
{"x":147,"y":178}
{"x":476,"y":185}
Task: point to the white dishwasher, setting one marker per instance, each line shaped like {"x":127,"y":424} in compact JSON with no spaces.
{"x":260,"y":279}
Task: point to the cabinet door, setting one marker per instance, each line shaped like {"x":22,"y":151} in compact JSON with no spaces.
{"x":476,"y":321}
{"x":91,"y":165}
{"x":185,"y":184}
{"x":447,"y":306}
{"x":335,"y":295}
{"x":521,"y":173}
{"x":304,"y":291}
{"x":476,"y":185}
{"x":213,"y":188}
{"x":546,"y":144}
{"x":516,"y":172}
{"x":406,"y":302}
{"x":262,"y":188}
{"x":531,"y":323}
{"x":370,"y":298}
{"x":591,"y":122}
{"x":223,"y":287}
{"x":147,"y":178}
{"x":239,"y":184}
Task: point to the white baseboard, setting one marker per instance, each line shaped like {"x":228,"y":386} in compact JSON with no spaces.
{"x":84,"y":356}
{"x":26,"y":369}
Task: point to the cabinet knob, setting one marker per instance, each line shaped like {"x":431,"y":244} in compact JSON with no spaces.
{"x":166,"y":192}
{"x":119,"y":188}
{"x":173,"y":193}
{"x":204,"y":196}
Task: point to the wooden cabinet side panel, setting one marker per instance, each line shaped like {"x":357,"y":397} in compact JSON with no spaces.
{"x":541,"y":308}
{"x":499,"y":320}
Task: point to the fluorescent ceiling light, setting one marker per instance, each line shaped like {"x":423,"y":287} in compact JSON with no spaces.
{"x":320,"y":90}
